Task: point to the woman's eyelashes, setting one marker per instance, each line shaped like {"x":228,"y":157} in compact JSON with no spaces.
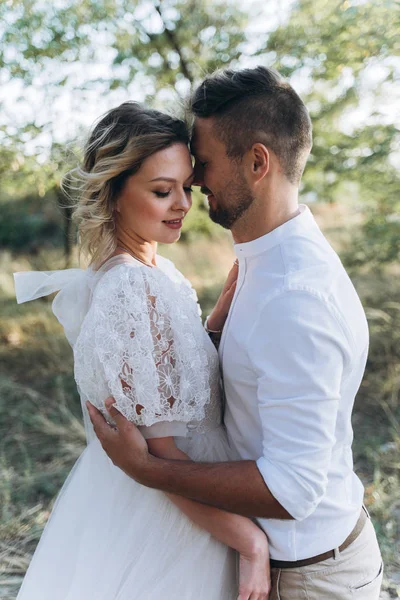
{"x":159,"y":194}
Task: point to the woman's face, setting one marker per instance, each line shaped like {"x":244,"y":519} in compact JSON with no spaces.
{"x":155,"y":200}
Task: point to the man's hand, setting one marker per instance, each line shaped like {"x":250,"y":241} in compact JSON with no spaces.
{"x":124,"y":444}
{"x":235,"y":486}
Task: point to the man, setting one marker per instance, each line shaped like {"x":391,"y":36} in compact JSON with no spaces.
{"x":293,"y":352}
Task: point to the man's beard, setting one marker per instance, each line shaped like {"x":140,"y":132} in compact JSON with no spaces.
{"x":238,"y":198}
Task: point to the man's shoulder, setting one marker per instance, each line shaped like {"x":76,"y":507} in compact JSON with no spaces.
{"x":314,"y":286}
{"x":304,"y":256}
{"x":298,"y":262}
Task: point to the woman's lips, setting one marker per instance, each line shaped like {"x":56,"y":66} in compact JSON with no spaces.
{"x":174,"y":223}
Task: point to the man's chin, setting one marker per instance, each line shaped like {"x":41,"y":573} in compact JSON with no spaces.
{"x":220,"y":218}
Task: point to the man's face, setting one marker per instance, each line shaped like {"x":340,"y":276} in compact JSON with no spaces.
{"x":221,"y":178}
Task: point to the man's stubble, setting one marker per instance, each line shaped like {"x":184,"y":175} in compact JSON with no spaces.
{"x":231,"y":202}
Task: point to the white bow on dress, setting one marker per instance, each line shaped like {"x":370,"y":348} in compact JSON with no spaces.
{"x":72,"y":301}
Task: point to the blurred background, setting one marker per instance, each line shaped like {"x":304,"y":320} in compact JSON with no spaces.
{"x":65,"y":62}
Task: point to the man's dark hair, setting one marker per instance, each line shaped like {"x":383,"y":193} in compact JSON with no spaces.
{"x":257,"y":105}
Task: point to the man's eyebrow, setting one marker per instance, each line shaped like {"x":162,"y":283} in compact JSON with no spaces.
{"x":171,"y":179}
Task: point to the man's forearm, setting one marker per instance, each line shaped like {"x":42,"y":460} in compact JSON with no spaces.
{"x":237,"y":487}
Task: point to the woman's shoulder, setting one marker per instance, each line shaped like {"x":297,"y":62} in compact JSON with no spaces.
{"x":125,"y":272}
{"x":115,"y":274}
{"x":123,"y":275}
{"x":168,"y":267}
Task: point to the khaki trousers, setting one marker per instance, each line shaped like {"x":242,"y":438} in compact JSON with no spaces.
{"x":356,"y":573}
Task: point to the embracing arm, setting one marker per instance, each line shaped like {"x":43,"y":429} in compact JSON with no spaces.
{"x":232,"y":486}
{"x":235,"y":531}
{"x":299,"y":381}
{"x":299,"y":378}
{"x":235,"y":486}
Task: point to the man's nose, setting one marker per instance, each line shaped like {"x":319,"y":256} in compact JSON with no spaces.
{"x":198,"y":174}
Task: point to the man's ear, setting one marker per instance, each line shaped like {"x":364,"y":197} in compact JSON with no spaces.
{"x":260,"y":161}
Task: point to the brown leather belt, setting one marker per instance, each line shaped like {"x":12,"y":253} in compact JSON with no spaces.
{"x":283,"y":564}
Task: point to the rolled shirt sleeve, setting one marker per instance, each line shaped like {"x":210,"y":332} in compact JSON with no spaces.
{"x":299,"y":379}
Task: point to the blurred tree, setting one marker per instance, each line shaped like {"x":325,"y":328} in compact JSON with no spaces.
{"x":171,"y":42}
{"x":342,"y":54}
{"x":162,"y":46}
{"x":345,"y":54}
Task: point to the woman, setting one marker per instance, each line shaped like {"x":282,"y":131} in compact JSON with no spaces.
{"x":133,"y":322}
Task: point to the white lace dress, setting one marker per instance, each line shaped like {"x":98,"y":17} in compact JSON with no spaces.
{"x":136,"y":334}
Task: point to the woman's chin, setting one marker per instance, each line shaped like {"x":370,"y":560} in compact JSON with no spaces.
{"x":176,"y":237}
{"x":171,"y":238}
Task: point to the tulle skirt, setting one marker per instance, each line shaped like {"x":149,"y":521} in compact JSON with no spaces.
{"x":110,"y":538}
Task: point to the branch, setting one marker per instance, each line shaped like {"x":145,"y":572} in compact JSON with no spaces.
{"x":174,"y":43}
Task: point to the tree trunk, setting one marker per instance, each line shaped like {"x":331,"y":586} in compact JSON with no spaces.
{"x":63,"y":203}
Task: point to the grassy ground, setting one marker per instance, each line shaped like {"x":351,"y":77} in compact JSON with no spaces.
{"x":41,"y":434}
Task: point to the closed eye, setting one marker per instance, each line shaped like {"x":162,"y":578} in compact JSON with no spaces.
{"x":189,"y":190}
{"x":162,"y":194}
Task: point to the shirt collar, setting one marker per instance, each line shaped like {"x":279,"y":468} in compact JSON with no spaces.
{"x":302,"y":222}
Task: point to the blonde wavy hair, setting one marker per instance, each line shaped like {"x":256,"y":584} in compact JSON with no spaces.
{"x":117,"y":146}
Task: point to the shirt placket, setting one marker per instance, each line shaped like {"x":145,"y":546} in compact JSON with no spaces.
{"x":240,"y":282}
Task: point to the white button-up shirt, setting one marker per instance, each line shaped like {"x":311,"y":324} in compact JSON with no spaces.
{"x":293,"y":354}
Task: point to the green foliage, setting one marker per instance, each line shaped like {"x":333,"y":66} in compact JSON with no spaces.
{"x":164,"y":46}
{"x":197,"y":222}
{"x":338,"y":47}
{"x":376,"y":419}
{"x":170,"y":41}
{"x":334,"y":50}
{"x":31,"y":223}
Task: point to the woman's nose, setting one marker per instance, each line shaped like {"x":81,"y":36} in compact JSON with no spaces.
{"x":184,"y":202}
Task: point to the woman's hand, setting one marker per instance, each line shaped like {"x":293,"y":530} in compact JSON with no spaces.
{"x":216,"y":320}
{"x":254,"y":572}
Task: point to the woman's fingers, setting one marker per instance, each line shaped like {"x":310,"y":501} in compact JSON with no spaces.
{"x":232,"y":276}
{"x":232,"y":288}
{"x":253,"y":596}
{"x":228,"y":296}
{"x":121,"y":422}
{"x":100,"y":425}
{"x":258,"y":596}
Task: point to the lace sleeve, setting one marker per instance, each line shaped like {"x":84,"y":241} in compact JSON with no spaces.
{"x":146,"y":347}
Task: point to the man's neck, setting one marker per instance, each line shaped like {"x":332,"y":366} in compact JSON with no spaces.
{"x":262,"y":217}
